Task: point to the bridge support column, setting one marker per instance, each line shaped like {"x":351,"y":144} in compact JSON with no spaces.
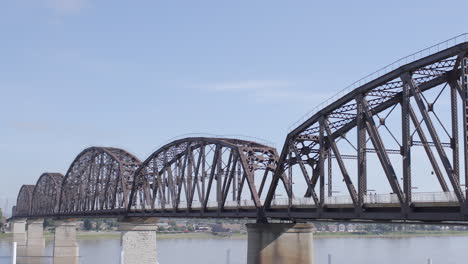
{"x":138,"y":240}
{"x":279,"y":244}
{"x":18,"y":228}
{"x":35,"y":237}
{"x":66,"y":248}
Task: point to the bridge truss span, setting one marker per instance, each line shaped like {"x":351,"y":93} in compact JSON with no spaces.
{"x":383,"y":131}
{"x":98,"y":181}
{"x":46,"y":194}
{"x":199,"y":175}
{"x":23,"y":202}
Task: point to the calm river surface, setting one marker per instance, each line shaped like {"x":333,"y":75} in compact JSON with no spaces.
{"x":414,"y":250}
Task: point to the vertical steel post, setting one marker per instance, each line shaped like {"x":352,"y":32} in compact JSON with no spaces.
{"x":406,"y":144}
{"x":234,"y":182}
{"x":454,"y":140}
{"x":464,"y":64}
{"x":219,"y":174}
{"x":361,"y":153}
{"x":322,"y":163}
{"x":330,"y":182}
{"x":290,"y":175}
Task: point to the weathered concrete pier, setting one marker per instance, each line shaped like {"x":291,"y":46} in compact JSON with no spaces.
{"x":280,"y":243}
{"x":138,"y":240}
{"x":65,"y":246}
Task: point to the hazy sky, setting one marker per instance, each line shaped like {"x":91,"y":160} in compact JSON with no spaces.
{"x":133,"y":74}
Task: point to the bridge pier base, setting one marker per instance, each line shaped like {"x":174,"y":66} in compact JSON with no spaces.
{"x":280,"y":243}
{"x":138,"y":240}
{"x":65,"y":246}
{"x":18,"y":228}
{"x":35,"y":237}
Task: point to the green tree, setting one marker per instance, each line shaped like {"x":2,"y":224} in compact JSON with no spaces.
{"x":48,"y":222}
{"x":1,"y":217}
{"x":99,"y":224}
{"x":191,"y":228}
{"x":87,"y":224}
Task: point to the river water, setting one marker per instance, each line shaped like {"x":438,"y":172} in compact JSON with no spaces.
{"x":414,"y":250}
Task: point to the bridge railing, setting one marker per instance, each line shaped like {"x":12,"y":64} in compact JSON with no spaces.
{"x":423,"y":197}
{"x":340,"y":199}
{"x":434,"y":197}
{"x":381,"y":198}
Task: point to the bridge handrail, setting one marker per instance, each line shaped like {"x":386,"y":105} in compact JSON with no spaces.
{"x":434,"y":197}
{"x":386,"y":69}
{"x":340,"y":199}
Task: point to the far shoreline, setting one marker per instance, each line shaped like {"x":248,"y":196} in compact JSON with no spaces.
{"x":92,"y":235}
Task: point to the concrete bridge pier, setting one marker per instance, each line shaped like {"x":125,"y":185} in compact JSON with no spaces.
{"x":138,"y":240}
{"x":66,"y":248}
{"x":35,"y":243}
{"x":280,"y":243}
{"x":18,"y":228}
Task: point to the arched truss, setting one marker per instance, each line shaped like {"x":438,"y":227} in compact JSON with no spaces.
{"x":357,"y":126}
{"x":46,"y":194}
{"x":23,"y":202}
{"x":201,"y":173}
{"x":99,"y":179}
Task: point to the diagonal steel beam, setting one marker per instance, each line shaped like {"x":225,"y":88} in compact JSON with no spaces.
{"x":435,"y":137}
{"x":344,"y":171}
{"x":214,"y":164}
{"x":429,"y":153}
{"x":231,"y":176}
{"x":381,"y":153}
{"x":306,"y":175}
{"x":250,"y":179}
{"x":454,"y":142}
{"x":262,"y":184}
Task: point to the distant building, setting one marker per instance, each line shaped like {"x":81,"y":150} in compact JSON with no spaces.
{"x":203,"y":228}
{"x":341,"y":228}
{"x":163,"y":225}
{"x":332,"y":228}
{"x":232,"y":227}
{"x":351,"y":228}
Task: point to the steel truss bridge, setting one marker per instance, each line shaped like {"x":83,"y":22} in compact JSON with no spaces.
{"x":393,"y":129}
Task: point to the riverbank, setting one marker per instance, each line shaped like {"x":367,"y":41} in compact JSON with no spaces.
{"x":201,"y":235}
{"x":5,"y":235}
{"x":93,"y":235}
{"x":90,"y":235}
{"x":390,"y":234}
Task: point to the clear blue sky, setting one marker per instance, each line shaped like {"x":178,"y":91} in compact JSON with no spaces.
{"x":132,"y":74}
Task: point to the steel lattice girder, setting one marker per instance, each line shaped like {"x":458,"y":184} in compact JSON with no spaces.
{"x":205,"y":170}
{"x":23,"y":202}
{"x":308,"y":144}
{"x":98,"y":179}
{"x":46,"y":194}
